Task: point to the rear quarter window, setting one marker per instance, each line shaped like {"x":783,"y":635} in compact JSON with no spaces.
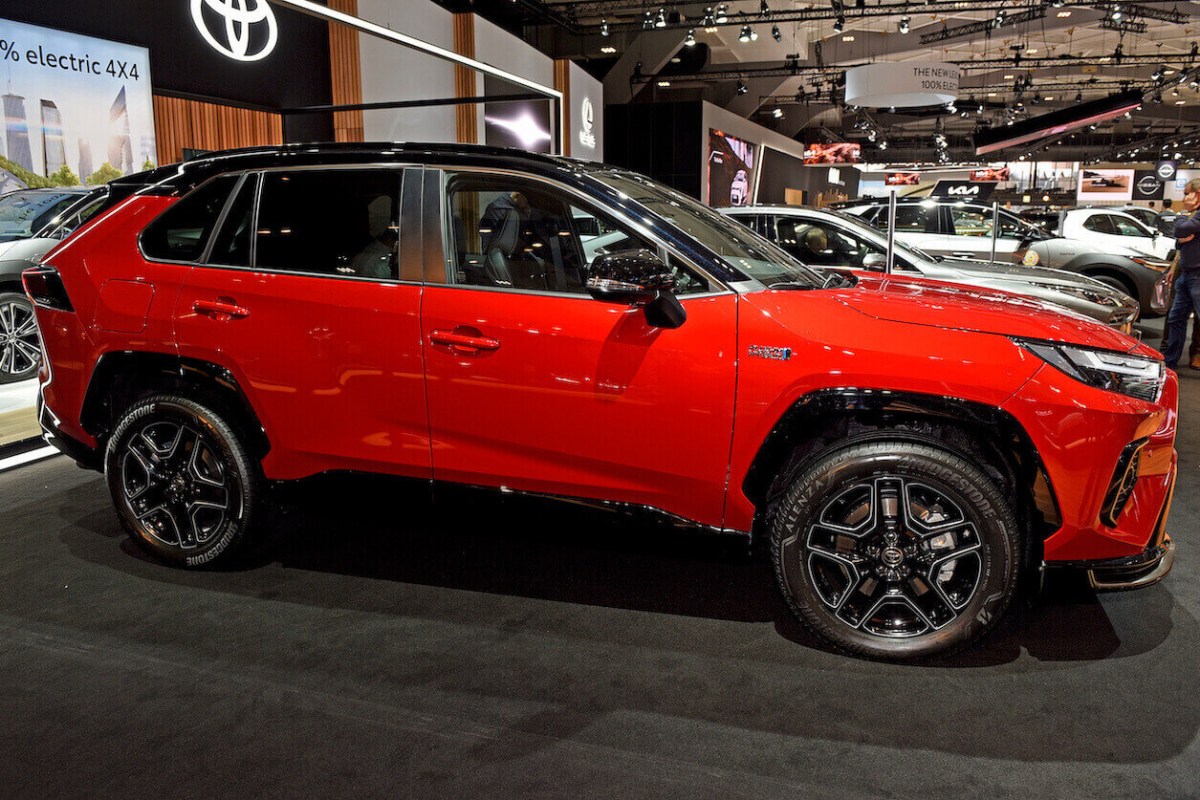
{"x":181,"y":232}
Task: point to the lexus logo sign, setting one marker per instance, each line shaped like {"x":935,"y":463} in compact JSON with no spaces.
{"x":244,"y":30}
{"x":587,"y":136}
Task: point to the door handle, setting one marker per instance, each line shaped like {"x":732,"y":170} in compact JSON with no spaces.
{"x":463,"y":341}
{"x":221,"y":306}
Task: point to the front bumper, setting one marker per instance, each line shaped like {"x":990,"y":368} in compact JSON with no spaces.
{"x":1133,"y":572}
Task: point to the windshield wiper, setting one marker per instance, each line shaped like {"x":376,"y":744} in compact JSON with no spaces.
{"x":798,"y":285}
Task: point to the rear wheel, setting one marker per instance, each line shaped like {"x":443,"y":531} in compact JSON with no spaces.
{"x":896,"y":550}
{"x":20,"y":350}
{"x":182,"y":481}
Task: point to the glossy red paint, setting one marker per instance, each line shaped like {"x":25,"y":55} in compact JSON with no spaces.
{"x":573,"y":396}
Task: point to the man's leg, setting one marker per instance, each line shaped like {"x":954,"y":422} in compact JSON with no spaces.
{"x":1186,"y":288}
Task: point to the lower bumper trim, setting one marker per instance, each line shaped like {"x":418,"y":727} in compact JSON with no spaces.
{"x":1136,"y":572}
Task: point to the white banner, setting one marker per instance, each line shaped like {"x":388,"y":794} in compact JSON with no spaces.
{"x":74,"y":106}
{"x":907,"y":84}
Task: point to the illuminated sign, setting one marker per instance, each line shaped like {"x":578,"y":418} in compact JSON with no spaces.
{"x":246,"y":30}
{"x":587,"y":136}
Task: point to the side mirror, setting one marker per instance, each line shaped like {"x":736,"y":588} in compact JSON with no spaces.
{"x":637,"y":278}
{"x":632,"y":277}
{"x":875,"y":261}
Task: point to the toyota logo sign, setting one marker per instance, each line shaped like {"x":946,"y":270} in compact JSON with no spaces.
{"x":244,"y":22}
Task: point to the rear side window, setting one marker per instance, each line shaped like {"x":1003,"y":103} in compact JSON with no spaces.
{"x":336,"y":222}
{"x":1099,"y":223}
{"x":181,"y":232}
{"x":911,"y":219}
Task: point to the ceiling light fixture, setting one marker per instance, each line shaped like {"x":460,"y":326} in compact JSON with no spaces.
{"x":777,"y":113}
{"x":661,"y":20}
{"x":775,"y":34}
{"x":849,"y":37}
{"x":722,"y":13}
{"x":903,"y":26}
{"x":741,"y":87}
{"x":690,"y":39}
{"x":608,"y":49}
{"x":603,"y":26}
{"x":839,"y":24}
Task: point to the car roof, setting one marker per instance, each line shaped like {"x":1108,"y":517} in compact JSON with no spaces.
{"x":180,"y":178}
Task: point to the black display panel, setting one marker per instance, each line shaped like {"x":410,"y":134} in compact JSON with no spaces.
{"x":296,"y":72}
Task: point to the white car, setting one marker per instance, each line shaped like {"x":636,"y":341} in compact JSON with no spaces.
{"x":1115,"y":231}
{"x":739,"y":190}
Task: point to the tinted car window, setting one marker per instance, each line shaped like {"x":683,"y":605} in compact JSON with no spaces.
{"x":181,"y":232}
{"x":820,"y":243}
{"x":910,"y":218}
{"x":232,"y":246}
{"x":1099,"y":223}
{"x":335,"y":222}
{"x":518,"y":234}
{"x":1127,"y":227}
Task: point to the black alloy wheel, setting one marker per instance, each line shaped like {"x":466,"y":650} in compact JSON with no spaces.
{"x":182,"y":482}
{"x":20,"y":348}
{"x":896,"y":550}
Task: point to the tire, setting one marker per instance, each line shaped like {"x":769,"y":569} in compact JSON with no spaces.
{"x":1118,"y":283}
{"x":182,"y":481}
{"x":20,"y":348}
{"x":896,"y":580}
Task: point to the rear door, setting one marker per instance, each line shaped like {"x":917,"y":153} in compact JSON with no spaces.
{"x":534,"y":385}
{"x":304,"y":297}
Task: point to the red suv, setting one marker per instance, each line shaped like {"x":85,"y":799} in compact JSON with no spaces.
{"x":547,"y":326}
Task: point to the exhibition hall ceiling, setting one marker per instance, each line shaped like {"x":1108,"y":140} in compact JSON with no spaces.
{"x":782,"y":63}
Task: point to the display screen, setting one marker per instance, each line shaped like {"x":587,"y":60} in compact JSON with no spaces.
{"x":730,"y":169}
{"x":523,"y":124}
{"x":1105,"y":184}
{"x":73,"y":105}
{"x":836,"y":153}
{"x":1056,"y":122}
{"x":901,"y":178}
{"x":990,"y":174}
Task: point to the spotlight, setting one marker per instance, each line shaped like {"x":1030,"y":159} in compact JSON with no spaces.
{"x":741,"y":87}
{"x":903,"y":26}
{"x":603,"y":26}
{"x":1157,"y":75}
{"x":764,"y":9}
{"x":647,"y":21}
{"x":1115,"y":13}
{"x":883,"y":145}
{"x":777,"y":113}
{"x":839,"y":24}
{"x":722,"y":13}
{"x":747,"y":35}
{"x":708,"y":20}
{"x":1079,"y":97}
{"x":690,"y":39}
{"x":999,"y":20}
{"x":951,"y":107}
{"x":775,"y":34}
{"x":661,"y":20}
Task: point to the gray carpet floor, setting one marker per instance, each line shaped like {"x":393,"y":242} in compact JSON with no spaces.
{"x":385,"y":646}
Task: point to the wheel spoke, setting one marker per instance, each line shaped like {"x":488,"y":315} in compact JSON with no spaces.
{"x":6,"y":318}
{"x":8,"y":354}
{"x":860,"y":600}
{"x":27,"y":328}
{"x":31,"y":354}
{"x":929,"y":601}
{"x":834,"y":543}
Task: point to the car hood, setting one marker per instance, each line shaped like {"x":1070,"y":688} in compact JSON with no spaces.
{"x":1020,"y":272}
{"x":914,"y":301}
{"x":25,"y":249}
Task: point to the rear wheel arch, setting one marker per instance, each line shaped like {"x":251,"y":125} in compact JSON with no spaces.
{"x":121,"y":379}
{"x":1114,"y":277}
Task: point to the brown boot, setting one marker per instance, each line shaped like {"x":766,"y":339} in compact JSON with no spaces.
{"x":1195,"y":362}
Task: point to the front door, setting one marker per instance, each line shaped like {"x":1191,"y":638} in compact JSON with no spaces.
{"x":535,"y":386}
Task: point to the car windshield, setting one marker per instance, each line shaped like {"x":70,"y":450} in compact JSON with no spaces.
{"x":873,"y":235}
{"x":746,"y":252}
{"x":21,"y":211}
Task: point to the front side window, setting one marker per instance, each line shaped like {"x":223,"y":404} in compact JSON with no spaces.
{"x":820,"y":244}
{"x":1099,"y":223}
{"x":513,"y":233}
{"x":328,"y":222}
{"x":181,"y":232}
{"x":970,"y":223}
{"x":1128,"y":227}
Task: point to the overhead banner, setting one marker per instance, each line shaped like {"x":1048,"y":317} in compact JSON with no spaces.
{"x":1105,"y":184}
{"x":963,"y":190}
{"x":75,"y":107}
{"x":990,"y":174}
{"x":901,"y":178}
{"x":911,"y":84}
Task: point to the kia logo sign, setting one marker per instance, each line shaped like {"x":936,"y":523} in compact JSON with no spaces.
{"x":239,"y":23}
{"x":963,"y":190}
{"x":971,"y":191}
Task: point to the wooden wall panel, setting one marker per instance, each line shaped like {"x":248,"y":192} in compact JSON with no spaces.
{"x":180,"y":123}
{"x":562,"y":82}
{"x":466,"y":121}
{"x":346,"y":74}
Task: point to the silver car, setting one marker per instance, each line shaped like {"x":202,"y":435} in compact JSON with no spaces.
{"x":825,"y":238}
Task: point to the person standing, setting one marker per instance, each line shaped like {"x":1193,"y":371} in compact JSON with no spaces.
{"x":1166,"y":218}
{"x":1187,"y":285}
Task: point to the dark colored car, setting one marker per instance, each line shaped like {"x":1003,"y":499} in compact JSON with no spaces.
{"x":910,"y":450}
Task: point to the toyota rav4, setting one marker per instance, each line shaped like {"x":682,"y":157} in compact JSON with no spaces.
{"x":909,"y":450}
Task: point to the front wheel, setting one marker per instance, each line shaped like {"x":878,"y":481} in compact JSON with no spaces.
{"x":182,"y":481}
{"x":896,"y":550}
{"x":20,"y":349}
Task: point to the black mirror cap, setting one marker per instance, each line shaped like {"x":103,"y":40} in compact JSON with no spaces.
{"x":633,"y":277}
{"x":665,"y":311}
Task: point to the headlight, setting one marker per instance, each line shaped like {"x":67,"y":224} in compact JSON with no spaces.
{"x":1135,"y":376}
{"x":1153,"y":263}
{"x":1082,"y":292}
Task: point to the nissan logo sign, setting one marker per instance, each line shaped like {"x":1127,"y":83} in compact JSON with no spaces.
{"x":1148,"y":185}
{"x":239,"y":23}
{"x":1165,"y":170}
